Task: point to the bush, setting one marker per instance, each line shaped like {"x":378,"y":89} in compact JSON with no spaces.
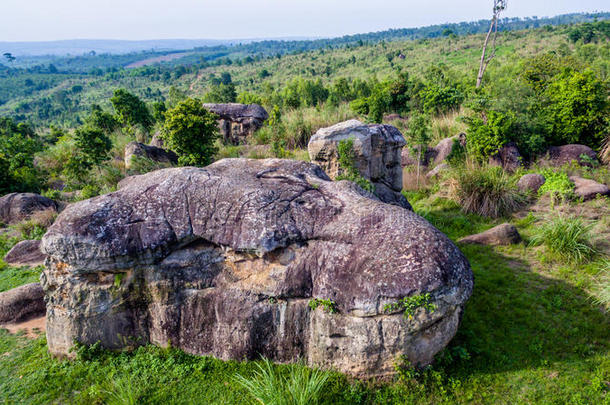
{"x":190,"y":130}
{"x":302,"y":386}
{"x":130,"y":110}
{"x":486,"y":191}
{"x":347,"y":163}
{"x":568,"y":238}
{"x":486,"y":136}
{"x":557,"y":184}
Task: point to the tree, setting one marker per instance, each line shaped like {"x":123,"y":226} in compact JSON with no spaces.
{"x":499,"y":6}
{"x":419,"y":135}
{"x":131,"y":110}
{"x":190,"y":130}
{"x":9,"y":57}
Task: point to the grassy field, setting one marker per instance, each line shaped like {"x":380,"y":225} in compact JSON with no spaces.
{"x":531,"y":333}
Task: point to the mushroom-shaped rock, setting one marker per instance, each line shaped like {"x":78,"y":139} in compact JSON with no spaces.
{"x":588,"y":189}
{"x":148,"y":152}
{"x":377,"y":155}
{"x":16,"y":207}
{"x":238,"y":121}
{"x":224,"y":261}
{"x":25,"y":253}
{"x":503,"y":234}
{"x":530,"y":183}
{"x":22,"y":303}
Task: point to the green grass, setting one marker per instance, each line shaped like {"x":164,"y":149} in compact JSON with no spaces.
{"x":567,"y":238}
{"x":531,"y":333}
{"x":11,"y":277}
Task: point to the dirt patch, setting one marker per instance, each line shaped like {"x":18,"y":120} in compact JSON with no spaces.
{"x":32,"y":328}
{"x":158,"y":59}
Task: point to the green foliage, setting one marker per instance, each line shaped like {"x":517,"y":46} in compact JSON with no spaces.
{"x":101,"y":119}
{"x":439,"y":93}
{"x":486,"y":191}
{"x":590,"y":32}
{"x":487,"y":134}
{"x":221,"y":93}
{"x":408,"y":305}
{"x":91,"y":147}
{"x":249,"y":98}
{"x":602,"y":287}
{"x":18,"y":146}
{"x":190,"y":130}
{"x":557,"y":184}
{"x":327,"y":304}
{"x":567,"y":238}
{"x":130,"y":110}
{"x":302,"y":386}
{"x":347,"y":164}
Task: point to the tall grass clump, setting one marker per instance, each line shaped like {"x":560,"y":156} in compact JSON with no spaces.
{"x":602,"y":288}
{"x":302,"y":385}
{"x":486,"y":191}
{"x":568,"y":238}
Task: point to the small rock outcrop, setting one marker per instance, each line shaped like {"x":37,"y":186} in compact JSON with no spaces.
{"x":238,"y":121}
{"x":25,"y":253}
{"x":507,"y":157}
{"x":22,"y":303}
{"x":503,"y":234}
{"x":437,"y":170}
{"x":588,"y":189}
{"x":225,"y":260}
{"x":157,"y":141}
{"x":530,"y":183}
{"x":16,"y":207}
{"x":444,"y":148}
{"x":377,"y":152}
{"x":148,"y":152}
{"x":561,"y":155}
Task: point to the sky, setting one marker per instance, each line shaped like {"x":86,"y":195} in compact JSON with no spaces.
{"x":45,"y":20}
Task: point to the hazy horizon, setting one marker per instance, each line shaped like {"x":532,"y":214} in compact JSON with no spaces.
{"x":142,"y":20}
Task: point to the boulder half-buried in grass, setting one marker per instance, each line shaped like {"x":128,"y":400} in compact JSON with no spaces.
{"x":588,"y":189}
{"x":25,"y":253}
{"x":253,"y":257}
{"x":22,"y":303}
{"x":503,"y":234}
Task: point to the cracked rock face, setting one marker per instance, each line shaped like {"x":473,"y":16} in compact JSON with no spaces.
{"x":377,"y":155}
{"x":224,"y":261}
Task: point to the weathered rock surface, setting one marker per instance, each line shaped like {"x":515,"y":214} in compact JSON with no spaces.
{"x":148,"y":152}
{"x":565,"y":154}
{"x":588,"y":189}
{"x":530,"y":183}
{"x":16,"y":207}
{"x":436,"y":155}
{"x":25,"y":253}
{"x":503,"y":234}
{"x":507,"y":157}
{"x":157,"y":141}
{"x":22,"y":303}
{"x":437,"y":170}
{"x":224,"y":260}
{"x":377,"y":150}
{"x":238,"y":121}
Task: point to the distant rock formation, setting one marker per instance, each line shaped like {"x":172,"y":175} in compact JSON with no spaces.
{"x":565,"y":154}
{"x":238,"y":121}
{"x":16,"y":207}
{"x":377,"y":150}
{"x":153,"y":153}
{"x":225,"y":261}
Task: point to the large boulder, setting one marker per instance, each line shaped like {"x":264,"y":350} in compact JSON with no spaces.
{"x":22,"y":303}
{"x":25,"y":253}
{"x":588,"y":189}
{"x":153,"y":153}
{"x":377,"y":153}
{"x":443,"y":149}
{"x":238,"y":121}
{"x":16,"y":207}
{"x":503,"y":234}
{"x":224,"y":261}
{"x":531,"y":183}
{"x":565,"y":154}
{"x":507,"y":157}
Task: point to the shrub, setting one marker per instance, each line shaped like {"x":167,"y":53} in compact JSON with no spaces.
{"x":302,"y":386}
{"x":130,"y":110}
{"x":557,"y":184}
{"x":190,"y":130}
{"x":568,"y":238}
{"x":486,"y":191}
{"x":486,"y":136}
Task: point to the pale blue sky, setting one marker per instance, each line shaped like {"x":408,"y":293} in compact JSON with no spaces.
{"x":30,"y":20}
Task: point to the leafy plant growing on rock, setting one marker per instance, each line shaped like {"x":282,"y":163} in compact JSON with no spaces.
{"x":410,"y":304}
{"x":347,"y":162}
{"x":328,"y":305}
{"x":419,"y":135}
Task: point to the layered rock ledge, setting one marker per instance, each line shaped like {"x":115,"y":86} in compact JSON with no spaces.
{"x":224,"y":261}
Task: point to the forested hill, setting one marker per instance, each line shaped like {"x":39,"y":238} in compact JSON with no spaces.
{"x":217,"y":50}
